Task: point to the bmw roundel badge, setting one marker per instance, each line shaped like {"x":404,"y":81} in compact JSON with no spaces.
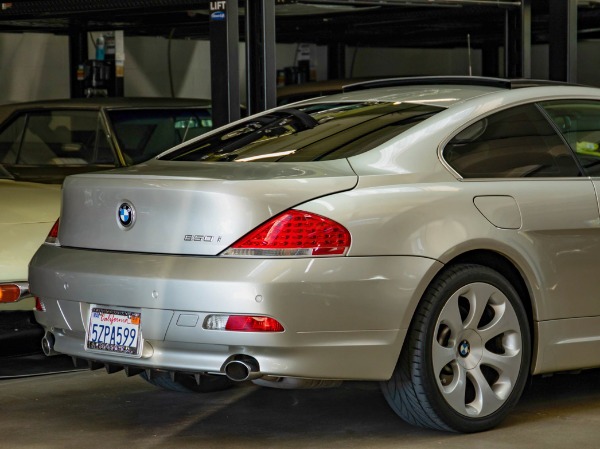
{"x":126,"y":215}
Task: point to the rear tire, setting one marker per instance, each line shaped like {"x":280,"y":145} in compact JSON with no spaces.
{"x":466,"y":357}
{"x":186,"y":383}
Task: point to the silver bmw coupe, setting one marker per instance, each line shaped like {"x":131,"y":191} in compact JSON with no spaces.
{"x":439,"y":235}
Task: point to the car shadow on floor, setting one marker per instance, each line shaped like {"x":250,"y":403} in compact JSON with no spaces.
{"x":555,"y":412}
{"x":34,"y":364}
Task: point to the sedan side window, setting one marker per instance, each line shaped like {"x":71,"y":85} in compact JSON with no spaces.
{"x":579,"y":123}
{"x":515,"y":143}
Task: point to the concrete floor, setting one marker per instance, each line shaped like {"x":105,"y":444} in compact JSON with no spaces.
{"x":95,"y":410}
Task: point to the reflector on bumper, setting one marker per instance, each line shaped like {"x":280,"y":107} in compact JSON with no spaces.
{"x":243,"y":323}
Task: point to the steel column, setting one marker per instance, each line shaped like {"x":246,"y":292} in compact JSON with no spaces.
{"x":517,"y":47}
{"x":336,"y":60}
{"x":224,"y":64}
{"x":563,"y":40}
{"x":260,"y":55}
{"x":78,"y":53}
{"x":489,"y":64}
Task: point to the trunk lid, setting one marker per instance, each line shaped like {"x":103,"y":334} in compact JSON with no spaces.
{"x":196,"y":208}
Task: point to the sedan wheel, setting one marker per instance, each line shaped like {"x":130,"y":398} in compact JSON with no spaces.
{"x":467,"y":353}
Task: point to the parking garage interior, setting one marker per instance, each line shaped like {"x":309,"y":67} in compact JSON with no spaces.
{"x":243,"y":56}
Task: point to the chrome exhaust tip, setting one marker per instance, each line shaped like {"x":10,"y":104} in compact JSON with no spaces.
{"x":48,"y":344}
{"x":242,"y":368}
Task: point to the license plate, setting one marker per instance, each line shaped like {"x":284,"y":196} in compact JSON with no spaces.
{"x":116,"y":331}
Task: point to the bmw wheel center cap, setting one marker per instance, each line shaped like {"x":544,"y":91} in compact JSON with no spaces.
{"x":126,"y":215}
{"x":464,"y":348}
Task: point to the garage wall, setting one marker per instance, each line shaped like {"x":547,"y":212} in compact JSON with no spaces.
{"x":35,"y":66}
{"x":147,"y":71}
{"x":409,"y":62}
{"x":587,"y":62}
{"x":285,"y":55}
{"x":588,"y":71}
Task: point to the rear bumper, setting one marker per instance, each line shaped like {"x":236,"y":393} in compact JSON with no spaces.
{"x":344,"y":317}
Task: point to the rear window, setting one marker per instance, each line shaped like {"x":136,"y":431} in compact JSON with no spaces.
{"x":320,"y":131}
{"x":144,"y":133}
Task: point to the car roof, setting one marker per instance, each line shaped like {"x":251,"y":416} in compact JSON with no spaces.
{"x":435,"y":91}
{"x":100,"y":102}
{"x":504,"y":83}
{"x":295,"y":92}
{"x":111,"y":102}
{"x":434,"y":95}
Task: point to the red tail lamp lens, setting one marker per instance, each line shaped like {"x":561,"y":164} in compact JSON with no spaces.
{"x":253,"y":324}
{"x":53,"y":234}
{"x":294,"y":233}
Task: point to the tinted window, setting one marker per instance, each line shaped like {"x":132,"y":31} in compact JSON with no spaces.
{"x":313,"y":132}
{"x":142,"y":134}
{"x":10,"y":140}
{"x":54,"y":138}
{"x":518,"y":142}
{"x":579,"y":123}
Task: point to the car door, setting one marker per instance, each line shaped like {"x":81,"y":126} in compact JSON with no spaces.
{"x":578,"y":121}
{"x":519,"y":154}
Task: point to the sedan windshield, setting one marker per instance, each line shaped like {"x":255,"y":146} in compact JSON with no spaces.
{"x":319,"y":131}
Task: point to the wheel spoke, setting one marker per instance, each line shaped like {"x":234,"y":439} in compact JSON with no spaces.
{"x":455,"y":392}
{"x":441,"y":357}
{"x":450,"y":316}
{"x":507,"y":365}
{"x":486,"y":401}
{"x":505,"y":320}
{"x":478,"y":295}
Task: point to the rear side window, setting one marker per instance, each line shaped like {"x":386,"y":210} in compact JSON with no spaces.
{"x":319,"y":131}
{"x":515,"y":143}
{"x":579,"y":123}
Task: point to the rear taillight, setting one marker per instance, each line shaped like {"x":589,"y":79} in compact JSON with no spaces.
{"x":52,"y":238}
{"x":294,"y":233}
{"x":242,"y":323}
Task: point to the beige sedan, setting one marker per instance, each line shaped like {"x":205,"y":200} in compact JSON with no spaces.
{"x":43,"y":142}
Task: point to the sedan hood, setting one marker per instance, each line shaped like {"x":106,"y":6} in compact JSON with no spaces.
{"x":195,"y":208}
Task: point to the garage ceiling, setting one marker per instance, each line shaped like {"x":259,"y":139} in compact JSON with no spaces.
{"x":393,"y":23}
